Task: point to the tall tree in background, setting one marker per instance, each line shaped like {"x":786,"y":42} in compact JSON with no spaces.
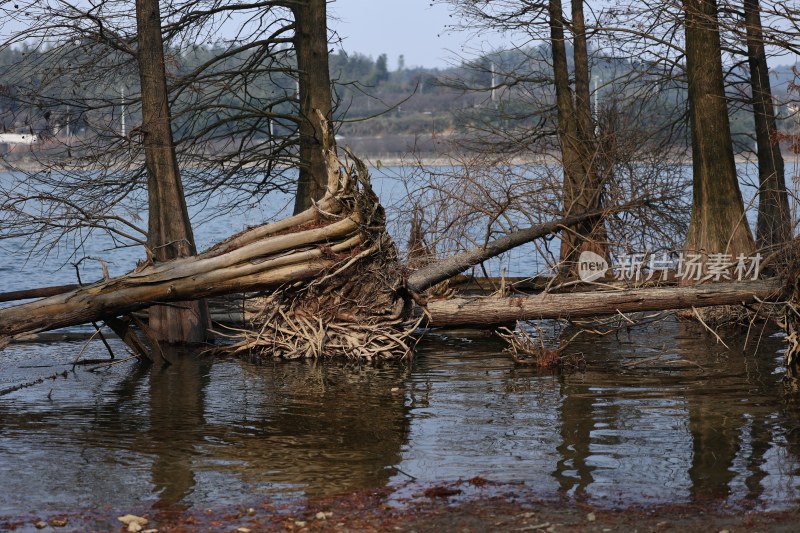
{"x":582,"y":183}
{"x":311,"y":45}
{"x":774,"y":225}
{"x":718,"y":223}
{"x":540,"y":98}
{"x":169,"y":233}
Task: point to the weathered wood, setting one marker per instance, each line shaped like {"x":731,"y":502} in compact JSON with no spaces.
{"x":430,"y":275}
{"x":39,"y":292}
{"x":491,"y":311}
{"x":269,"y":262}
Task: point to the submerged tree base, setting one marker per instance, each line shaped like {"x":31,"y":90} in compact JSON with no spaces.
{"x":356,"y":308}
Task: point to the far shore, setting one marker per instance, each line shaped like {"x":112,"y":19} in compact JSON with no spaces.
{"x":30,"y":163}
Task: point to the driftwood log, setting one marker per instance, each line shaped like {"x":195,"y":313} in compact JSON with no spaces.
{"x":317,"y":242}
{"x":293,"y":249}
{"x":494,"y":311}
{"x":339,"y":230}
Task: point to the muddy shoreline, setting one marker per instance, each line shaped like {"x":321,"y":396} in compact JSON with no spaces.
{"x":433,"y":510}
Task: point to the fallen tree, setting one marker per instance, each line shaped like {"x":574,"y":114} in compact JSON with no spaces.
{"x":495,"y":311}
{"x":336,"y":286}
{"x":336,"y":253}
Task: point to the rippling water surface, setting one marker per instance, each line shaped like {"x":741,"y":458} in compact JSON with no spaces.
{"x":660,"y":415}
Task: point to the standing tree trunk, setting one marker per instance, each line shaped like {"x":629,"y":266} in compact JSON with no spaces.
{"x":576,"y":137}
{"x":311,"y":45}
{"x":169,"y":230}
{"x":773,"y":227}
{"x":718,"y":223}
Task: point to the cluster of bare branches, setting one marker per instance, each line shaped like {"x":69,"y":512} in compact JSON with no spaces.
{"x":531,"y":350}
{"x":73,"y":83}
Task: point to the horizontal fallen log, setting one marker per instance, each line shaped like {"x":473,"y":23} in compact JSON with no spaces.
{"x":41,"y":292}
{"x":298,"y":248}
{"x":322,"y":242}
{"x":490,"y":311}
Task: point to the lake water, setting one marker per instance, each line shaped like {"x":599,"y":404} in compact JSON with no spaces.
{"x":662,"y":414}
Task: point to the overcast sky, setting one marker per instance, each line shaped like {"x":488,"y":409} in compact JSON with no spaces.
{"x":413,"y":28}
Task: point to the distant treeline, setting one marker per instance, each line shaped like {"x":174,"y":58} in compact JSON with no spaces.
{"x":40,"y":95}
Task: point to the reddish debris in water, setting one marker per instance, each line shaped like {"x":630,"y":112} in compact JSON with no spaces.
{"x":441,"y":492}
{"x":478,"y":481}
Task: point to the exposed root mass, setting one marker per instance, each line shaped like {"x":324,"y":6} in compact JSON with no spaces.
{"x":357,"y":308}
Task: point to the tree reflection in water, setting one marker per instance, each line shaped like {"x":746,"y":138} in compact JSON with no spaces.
{"x":660,"y":415}
{"x":720,"y":402}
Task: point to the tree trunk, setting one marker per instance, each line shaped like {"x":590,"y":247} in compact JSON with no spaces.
{"x":311,"y":45}
{"x":576,"y":137}
{"x":718,"y":223}
{"x":773,"y":227}
{"x":169,"y":230}
{"x":580,"y":55}
{"x":496,"y":311}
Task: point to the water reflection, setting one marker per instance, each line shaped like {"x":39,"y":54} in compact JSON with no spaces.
{"x":733,"y":419}
{"x":316,"y":428}
{"x":661,"y":415}
{"x":573,"y":472}
{"x":202,"y":432}
{"x":176,"y":423}
{"x":716,"y":430}
{"x":633,"y":408}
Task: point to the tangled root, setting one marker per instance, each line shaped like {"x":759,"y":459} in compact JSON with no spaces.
{"x":790,"y":323}
{"x":356,"y":309}
{"x":289,"y":333}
